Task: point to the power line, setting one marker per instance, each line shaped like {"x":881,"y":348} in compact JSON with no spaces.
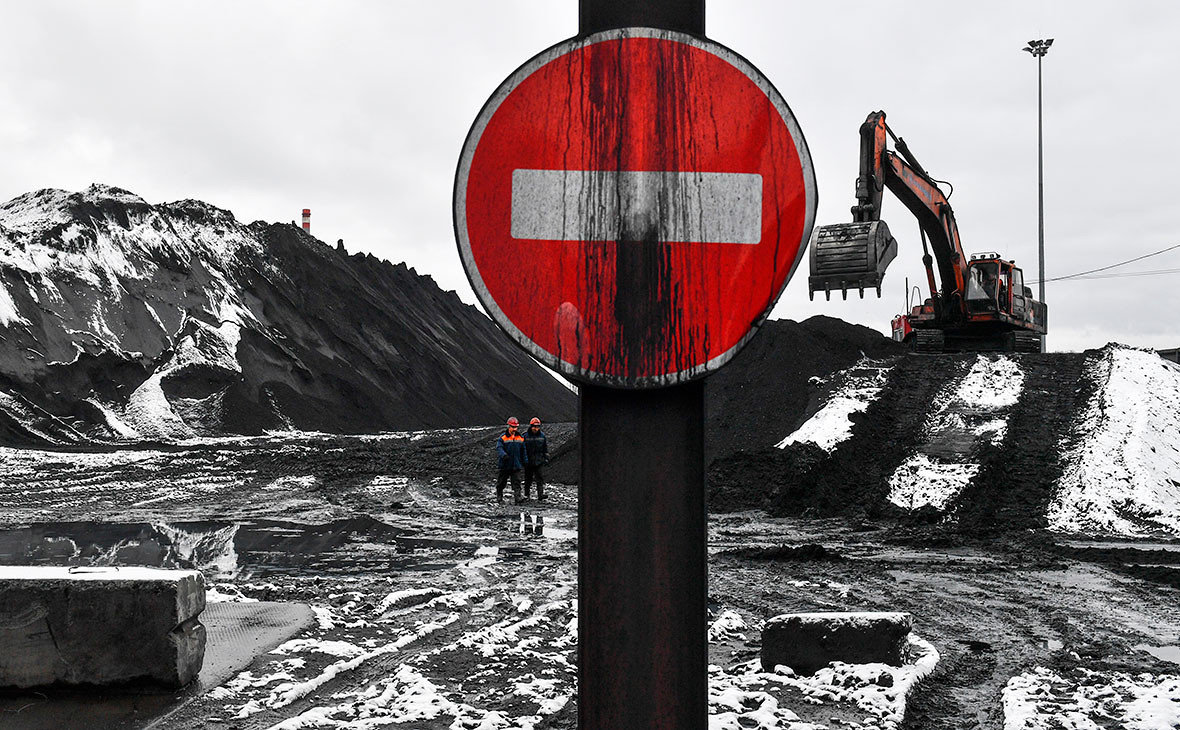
{"x":1112,"y":266}
{"x":1124,"y":274}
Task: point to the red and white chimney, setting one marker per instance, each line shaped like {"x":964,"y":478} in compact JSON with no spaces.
{"x":307,"y":219}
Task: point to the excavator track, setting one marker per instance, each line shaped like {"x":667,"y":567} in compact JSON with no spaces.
{"x":1026,"y":342}
{"x":929,"y":341}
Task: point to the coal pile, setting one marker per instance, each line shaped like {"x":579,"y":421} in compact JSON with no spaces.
{"x":766,"y":392}
{"x":984,"y":443}
{"x":126,"y":321}
{"x":1015,"y":480}
{"x":763,"y":394}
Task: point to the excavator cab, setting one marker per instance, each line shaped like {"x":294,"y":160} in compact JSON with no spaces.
{"x":996,"y":285}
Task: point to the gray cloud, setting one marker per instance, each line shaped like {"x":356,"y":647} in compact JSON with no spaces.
{"x":358,"y":109}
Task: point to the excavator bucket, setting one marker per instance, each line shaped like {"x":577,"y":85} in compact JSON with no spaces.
{"x":850,"y":256}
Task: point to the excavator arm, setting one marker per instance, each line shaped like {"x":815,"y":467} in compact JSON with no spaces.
{"x":855,"y":255}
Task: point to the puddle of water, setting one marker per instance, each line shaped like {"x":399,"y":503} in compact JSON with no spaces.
{"x":233,"y":549}
{"x":535,"y":525}
{"x":1168,"y":653}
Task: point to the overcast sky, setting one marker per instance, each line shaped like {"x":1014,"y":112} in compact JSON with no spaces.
{"x":358,"y":110}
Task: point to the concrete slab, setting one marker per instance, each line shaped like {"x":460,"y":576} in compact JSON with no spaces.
{"x":100,"y":626}
{"x":807,"y":642}
{"x":238,"y":633}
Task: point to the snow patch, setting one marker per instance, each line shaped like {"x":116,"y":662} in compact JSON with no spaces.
{"x":991,"y":384}
{"x":739,"y":698}
{"x":288,"y":692}
{"x":832,"y":424}
{"x":1089,"y":700}
{"x":922,"y":481}
{"x":8,"y":311}
{"x":409,"y":596}
{"x":728,"y":625}
{"x":291,"y":483}
{"x":321,"y":646}
{"x":975,"y":412}
{"x":1122,"y":476}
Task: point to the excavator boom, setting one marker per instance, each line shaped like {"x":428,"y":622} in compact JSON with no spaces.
{"x":850,"y":256}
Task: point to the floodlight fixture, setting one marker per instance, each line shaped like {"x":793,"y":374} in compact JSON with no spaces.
{"x":1038,"y":48}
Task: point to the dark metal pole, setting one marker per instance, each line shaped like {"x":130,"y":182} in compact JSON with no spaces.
{"x":642,"y":585}
{"x":642,"y":573}
{"x":686,"y":16}
{"x":1040,"y":193}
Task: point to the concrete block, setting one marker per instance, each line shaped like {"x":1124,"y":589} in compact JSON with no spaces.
{"x":100,"y":626}
{"x":806,"y":642}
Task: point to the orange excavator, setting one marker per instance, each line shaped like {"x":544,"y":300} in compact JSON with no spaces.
{"x":982,"y":303}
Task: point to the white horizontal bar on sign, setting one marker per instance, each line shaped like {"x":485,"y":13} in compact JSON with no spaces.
{"x":606,"y":205}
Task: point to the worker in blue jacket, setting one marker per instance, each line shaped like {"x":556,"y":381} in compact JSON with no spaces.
{"x":536,"y":448}
{"x":512,"y":458}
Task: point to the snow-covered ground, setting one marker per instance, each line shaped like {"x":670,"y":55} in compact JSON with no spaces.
{"x":1122,"y":475}
{"x":1081,"y":699}
{"x":832,"y":424}
{"x":744,"y":696}
{"x":974,"y":412}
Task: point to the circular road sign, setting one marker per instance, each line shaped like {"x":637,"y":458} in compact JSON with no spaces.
{"x":630,"y":205}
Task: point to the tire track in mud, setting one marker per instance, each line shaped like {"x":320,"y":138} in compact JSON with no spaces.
{"x":1015,"y":483}
{"x":486,"y":656}
{"x":993,"y":608}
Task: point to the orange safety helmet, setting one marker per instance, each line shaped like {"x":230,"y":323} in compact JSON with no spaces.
{"x":513,"y":422}
{"x":535,"y":421}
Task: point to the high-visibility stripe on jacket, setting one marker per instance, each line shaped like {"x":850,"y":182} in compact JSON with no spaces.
{"x":510,"y":448}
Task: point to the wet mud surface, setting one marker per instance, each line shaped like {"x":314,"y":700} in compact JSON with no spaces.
{"x":438,"y":608}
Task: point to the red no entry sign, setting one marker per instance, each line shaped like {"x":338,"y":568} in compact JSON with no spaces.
{"x":630,"y":205}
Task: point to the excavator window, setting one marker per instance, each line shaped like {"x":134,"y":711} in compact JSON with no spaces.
{"x":981,"y":286}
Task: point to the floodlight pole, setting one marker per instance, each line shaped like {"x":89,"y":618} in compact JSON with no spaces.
{"x":1039,"y":49}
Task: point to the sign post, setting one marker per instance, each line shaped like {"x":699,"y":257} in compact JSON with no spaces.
{"x":629,"y":204}
{"x":643,"y":586}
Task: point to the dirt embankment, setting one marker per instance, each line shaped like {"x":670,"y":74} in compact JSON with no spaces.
{"x":1016,"y":473}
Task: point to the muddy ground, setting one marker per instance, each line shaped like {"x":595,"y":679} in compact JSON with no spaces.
{"x":438,"y":608}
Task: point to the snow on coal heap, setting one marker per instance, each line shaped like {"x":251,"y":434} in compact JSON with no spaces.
{"x":855,"y":389}
{"x":124,"y":320}
{"x":1122,"y":471}
{"x":1076,"y":442}
{"x":975,"y":410}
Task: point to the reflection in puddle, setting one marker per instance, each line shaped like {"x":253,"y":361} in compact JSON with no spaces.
{"x":533,"y":524}
{"x":228,"y":549}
